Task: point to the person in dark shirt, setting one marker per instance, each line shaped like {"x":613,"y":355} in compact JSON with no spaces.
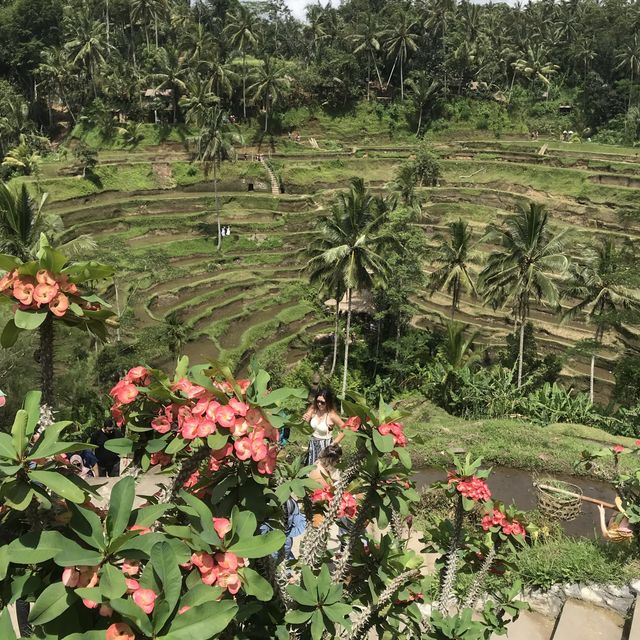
{"x":108,"y":462}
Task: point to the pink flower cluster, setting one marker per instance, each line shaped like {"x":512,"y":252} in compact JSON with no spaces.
{"x":470,"y":487}
{"x":120,"y":631}
{"x":219,"y":569}
{"x":202,"y":415}
{"x":348,"y":504}
{"x":396,"y":430}
{"x":353,"y":423}
{"x":45,"y":289}
{"x":499,"y":519}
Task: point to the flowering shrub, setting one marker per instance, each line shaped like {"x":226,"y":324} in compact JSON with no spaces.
{"x":49,"y":285}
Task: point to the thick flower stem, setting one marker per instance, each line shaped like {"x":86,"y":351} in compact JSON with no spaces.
{"x":449,"y":579}
{"x":478,"y":581}
{"x":46,"y":360}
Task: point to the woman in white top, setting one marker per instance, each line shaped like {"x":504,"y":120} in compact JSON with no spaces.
{"x":322,"y":417}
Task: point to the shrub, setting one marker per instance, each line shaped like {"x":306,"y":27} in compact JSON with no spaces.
{"x":566,"y":560}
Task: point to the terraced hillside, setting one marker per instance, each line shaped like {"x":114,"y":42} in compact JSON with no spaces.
{"x":151,"y":215}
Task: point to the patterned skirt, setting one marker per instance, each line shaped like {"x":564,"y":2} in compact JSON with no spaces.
{"x":316,"y":445}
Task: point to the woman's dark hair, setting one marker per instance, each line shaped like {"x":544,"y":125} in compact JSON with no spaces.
{"x":327,"y":394}
{"x":331,"y":453}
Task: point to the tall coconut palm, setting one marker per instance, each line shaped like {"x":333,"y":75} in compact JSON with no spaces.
{"x":271,"y":82}
{"x":536,"y":65}
{"x":629,"y":58}
{"x":401,"y":39}
{"x":214,"y":143}
{"x":242,"y":32}
{"x":148,"y":11}
{"x":452,"y":264}
{"x":424,"y":91}
{"x":171,"y":73}
{"x":603,"y":292}
{"x":521,"y":270}
{"x":437,"y":21}
{"x":349,"y":243}
{"x":88,"y":47}
{"x":367,"y":38}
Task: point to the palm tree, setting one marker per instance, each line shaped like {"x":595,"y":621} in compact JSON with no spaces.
{"x":349,"y":243}
{"x":199,"y":98}
{"x":521,"y":269}
{"x":602,"y":288}
{"x":536,"y":66}
{"x":23,"y":220}
{"x":424,"y":92}
{"x":88,"y":47}
{"x":438,"y":21}
{"x":147,"y":11}
{"x":171,"y":74}
{"x":367,"y":38}
{"x":271,"y":82}
{"x":452,"y":256}
{"x":241,"y":30}
{"x":214,"y":143}
{"x":630,"y":58}
{"x":400,"y":40}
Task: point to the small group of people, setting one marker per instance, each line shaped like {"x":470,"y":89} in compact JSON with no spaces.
{"x":98,"y":462}
{"x":225,"y":231}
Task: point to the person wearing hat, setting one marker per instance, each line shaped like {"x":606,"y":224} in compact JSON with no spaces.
{"x":618,"y":529}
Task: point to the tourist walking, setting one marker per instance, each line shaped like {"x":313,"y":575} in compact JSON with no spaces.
{"x":322,"y":417}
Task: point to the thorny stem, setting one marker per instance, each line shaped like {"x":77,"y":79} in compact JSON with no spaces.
{"x":367,"y":618}
{"x":449,"y":579}
{"x":478,"y":581}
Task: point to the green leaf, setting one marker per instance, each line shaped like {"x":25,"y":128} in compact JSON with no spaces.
{"x":202,"y":622}
{"x":306,"y":598}
{"x":51,"y":603}
{"x":324,"y":582}
{"x":317,"y":625}
{"x":35,"y":547}
{"x":121,"y":446}
{"x":176,"y":445}
{"x":259,"y":546}
{"x":71,"y":554}
{"x":337,"y":612}
{"x":17,"y":494}
{"x":120,"y":506}
{"x":217,"y":440}
{"x":204,"y":518}
{"x":19,"y":431}
{"x":59,"y":484}
{"x":88,"y":527}
{"x":10,"y":334}
{"x":29,"y":320}
{"x":165,"y":565}
{"x":200,"y":594}
{"x":6,"y":626}
{"x":146,"y":516}
{"x":112,"y":582}
{"x":4,"y":561}
{"x":87,"y":635}
{"x":279,"y":395}
{"x":255,"y":585}
{"x":9,"y":262}
{"x":133,"y":613}
{"x":7,"y":450}
{"x":297,"y":617}
{"x":31,"y":405}
{"x":384,"y":444}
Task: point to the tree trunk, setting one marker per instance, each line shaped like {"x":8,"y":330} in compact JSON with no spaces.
{"x":46,"y":360}
{"x":346,"y":345}
{"x":454,"y":298}
{"x":335,"y":334}
{"x":107,"y":21}
{"x":395,"y":62}
{"x":401,"y":80}
{"x":521,"y":351}
{"x":156,"y":28}
{"x":133,"y":44}
{"x":244,"y":85}
{"x":266,"y":114}
{"x":369,"y":77}
{"x":397,"y":354}
{"x":592,"y":376}
{"x":216,"y":203}
{"x":419,"y":122}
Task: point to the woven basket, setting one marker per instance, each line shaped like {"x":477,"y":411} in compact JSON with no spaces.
{"x":556,"y":505}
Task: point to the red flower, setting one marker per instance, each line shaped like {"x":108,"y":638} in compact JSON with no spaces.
{"x":161,"y":424}
{"x":59,"y":305}
{"x":353,"y":423}
{"x":222,"y":526}
{"x":471,"y":487}
{"x":145,"y":599}
{"x":120,"y":631}
{"x":124,"y":392}
{"x":618,"y":449}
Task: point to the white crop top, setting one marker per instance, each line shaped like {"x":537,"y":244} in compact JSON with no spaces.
{"x":321,"y":427}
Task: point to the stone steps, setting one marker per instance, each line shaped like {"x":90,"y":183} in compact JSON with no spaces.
{"x":578,"y":620}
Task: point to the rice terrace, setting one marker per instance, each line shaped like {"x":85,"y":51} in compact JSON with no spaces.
{"x":319,"y":321}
